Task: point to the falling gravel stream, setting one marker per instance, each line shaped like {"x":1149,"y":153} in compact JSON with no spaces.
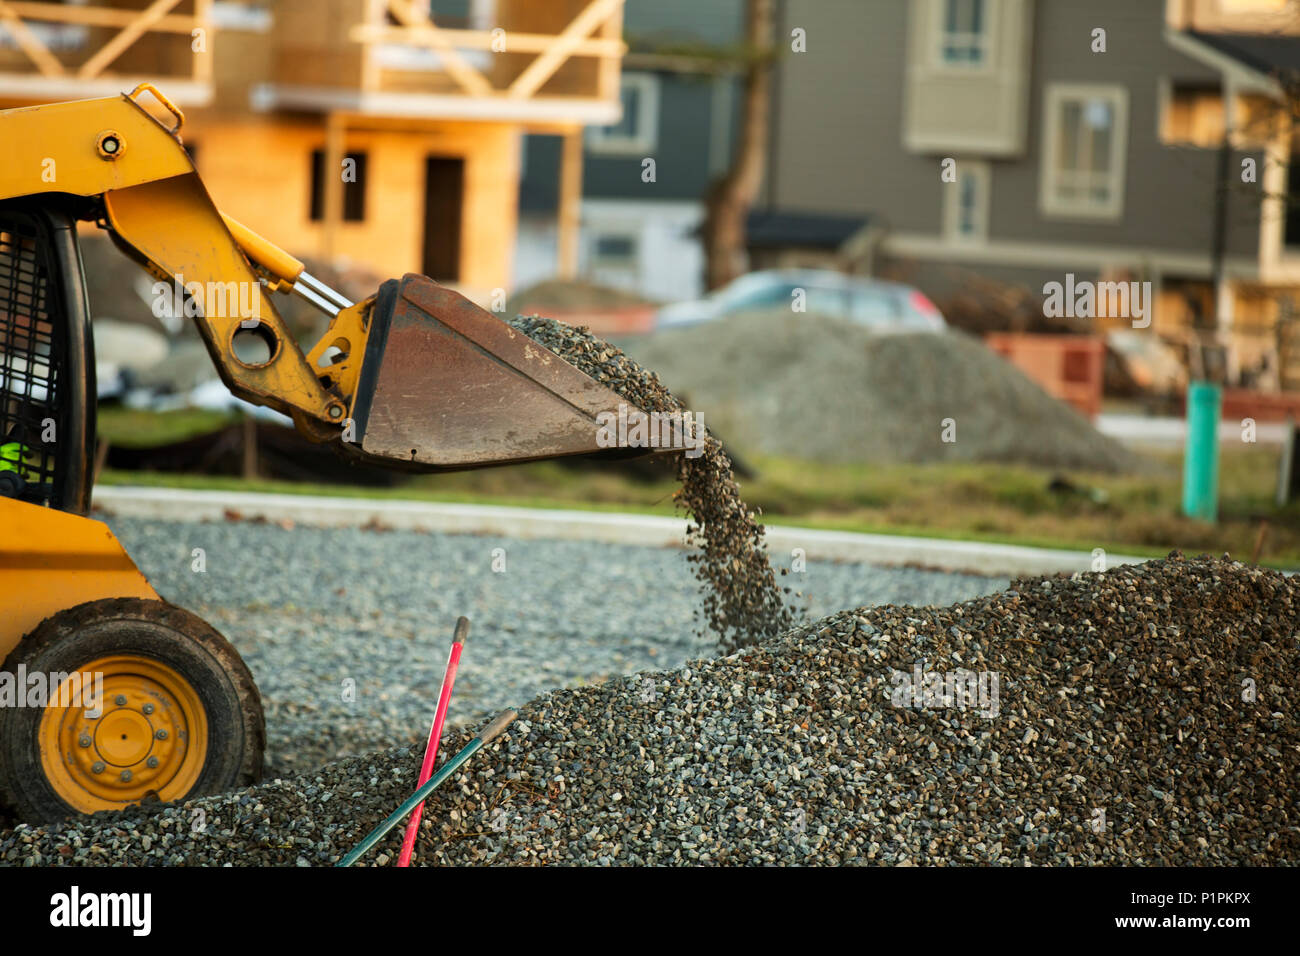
{"x":741,"y":601}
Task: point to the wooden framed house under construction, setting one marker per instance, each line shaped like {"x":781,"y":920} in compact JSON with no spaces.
{"x":386,"y":133}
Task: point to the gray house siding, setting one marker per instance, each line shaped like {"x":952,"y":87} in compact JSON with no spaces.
{"x":1169,"y":190}
{"x":838,"y":144}
{"x":712,"y":22}
{"x":682,"y":154}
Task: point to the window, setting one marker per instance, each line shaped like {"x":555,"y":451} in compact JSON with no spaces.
{"x":830,"y":300}
{"x":614,"y":251}
{"x":757,"y":291}
{"x":1291,"y":218}
{"x":1191,"y":114}
{"x":1085,"y":130}
{"x":874,"y":307}
{"x":966,"y":201}
{"x":354,"y":193}
{"x":636,"y":134}
{"x":964,"y":33}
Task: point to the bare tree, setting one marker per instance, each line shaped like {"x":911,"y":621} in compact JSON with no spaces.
{"x":729,"y":200}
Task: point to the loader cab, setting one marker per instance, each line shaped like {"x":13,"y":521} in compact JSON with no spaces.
{"x":47,"y":388}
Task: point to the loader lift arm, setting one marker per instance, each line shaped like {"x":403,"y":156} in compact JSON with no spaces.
{"x":415,"y":376}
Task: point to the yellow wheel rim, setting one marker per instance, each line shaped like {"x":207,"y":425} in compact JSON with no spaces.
{"x":148,"y":735}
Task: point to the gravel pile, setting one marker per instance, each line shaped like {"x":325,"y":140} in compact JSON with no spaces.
{"x":316,"y":612}
{"x":822,"y":389}
{"x":742,"y":603}
{"x":1143,"y":716}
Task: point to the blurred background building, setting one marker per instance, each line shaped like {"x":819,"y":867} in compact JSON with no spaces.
{"x":429,"y":101}
{"x":496,"y":145}
{"x":680,"y":96}
{"x":1107,"y":156}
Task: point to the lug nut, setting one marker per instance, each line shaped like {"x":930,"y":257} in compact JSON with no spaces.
{"x":161,"y":735}
{"x":152,"y":762}
{"x":120,"y":700}
{"x":83,"y":741}
{"x":97,"y":767}
{"x":126,"y":775}
{"x":147,"y":708}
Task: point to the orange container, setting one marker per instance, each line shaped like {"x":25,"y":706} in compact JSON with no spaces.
{"x":1069,"y":367}
{"x":1239,"y":403}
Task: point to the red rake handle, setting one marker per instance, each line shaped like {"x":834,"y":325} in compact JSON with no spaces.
{"x":435,"y":736}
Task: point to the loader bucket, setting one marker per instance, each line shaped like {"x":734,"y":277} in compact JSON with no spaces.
{"x":447,"y":385}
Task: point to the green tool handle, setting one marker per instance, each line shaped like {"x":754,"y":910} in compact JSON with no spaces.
{"x":487,"y":735}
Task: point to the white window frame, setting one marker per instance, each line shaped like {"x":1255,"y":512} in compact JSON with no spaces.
{"x":1050,"y":203}
{"x":939,"y":38}
{"x":981,"y":173}
{"x":601,"y":141}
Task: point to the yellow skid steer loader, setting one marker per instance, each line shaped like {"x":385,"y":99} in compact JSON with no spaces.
{"x":108,"y":694}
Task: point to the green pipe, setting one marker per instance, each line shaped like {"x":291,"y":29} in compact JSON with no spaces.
{"x":1201,"y":455}
{"x":499,"y":723}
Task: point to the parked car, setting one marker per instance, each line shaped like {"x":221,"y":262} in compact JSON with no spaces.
{"x":880,"y":305}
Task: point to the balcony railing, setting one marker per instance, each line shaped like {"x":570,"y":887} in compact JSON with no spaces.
{"x":67,"y":50}
{"x":558,"y":60}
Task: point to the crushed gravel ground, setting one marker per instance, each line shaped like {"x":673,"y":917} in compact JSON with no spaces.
{"x":1144,"y":715}
{"x":311,"y":608}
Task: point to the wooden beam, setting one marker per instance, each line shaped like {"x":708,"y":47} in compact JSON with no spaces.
{"x":681,"y":64}
{"x":543,"y":68}
{"x":470,"y":79}
{"x":570,"y":208}
{"x":203,"y":61}
{"x":376,"y":12}
{"x":99,"y":16}
{"x":483,"y":40}
{"x":608,"y":69}
{"x":335,"y":146}
{"x":114,"y":48}
{"x":29,"y":42}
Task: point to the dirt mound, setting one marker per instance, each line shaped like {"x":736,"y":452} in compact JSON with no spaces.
{"x":572,"y":294}
{"x":821,"y":389}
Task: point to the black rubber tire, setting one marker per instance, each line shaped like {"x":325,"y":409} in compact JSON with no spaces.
{"x":154,"y":629}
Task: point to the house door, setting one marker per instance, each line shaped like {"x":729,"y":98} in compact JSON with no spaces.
{"x":444,"y":184}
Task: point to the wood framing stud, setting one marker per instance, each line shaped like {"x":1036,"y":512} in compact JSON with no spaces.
{"x":29,"y":42}
{"x":570,"y":207}
{"x":115,"y":47}
{"x":424,"y":30}
{"x":335,"y":140}
{"x":543,"y":68}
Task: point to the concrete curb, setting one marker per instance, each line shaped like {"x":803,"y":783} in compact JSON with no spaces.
{"x":178,"y":504}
